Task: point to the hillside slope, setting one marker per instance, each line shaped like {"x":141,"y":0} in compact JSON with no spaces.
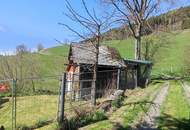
{"x":173,"y":20}
{"x":169,"y":60}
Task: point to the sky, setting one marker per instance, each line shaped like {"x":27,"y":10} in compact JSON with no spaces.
{"x":31,"y":22}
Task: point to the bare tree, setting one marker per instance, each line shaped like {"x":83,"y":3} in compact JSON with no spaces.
{"x":135,"y":14}
{"x":20,"y":66}
{"x":93,"y":25}
{"x":21,"y":49}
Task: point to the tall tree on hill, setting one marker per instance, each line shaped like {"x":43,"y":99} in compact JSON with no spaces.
{"x":135,"y":13}
{"x":93,"y":26}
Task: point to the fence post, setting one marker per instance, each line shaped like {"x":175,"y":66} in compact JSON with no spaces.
{"x":118,"y":78}
{"x":93,"y":93}
{"x":14,"y":104}
{"x":62,"y":99}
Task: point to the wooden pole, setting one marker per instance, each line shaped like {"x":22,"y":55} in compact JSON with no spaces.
{"x":94,"y":84}
{"x":62,"y":99}
{"x":135,"y":77}
{"x":14,"y":105}
{"x":118,"y":78}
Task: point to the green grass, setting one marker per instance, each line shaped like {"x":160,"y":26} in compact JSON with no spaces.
{"x":175,"y":110}
{"x":127,"y":114}
{"x":171,"y":59}
{"x":35,"y":111}
{"x":31,"y":111}
{"x":168,"y":60}
{"x":125,"y":47}
{"x":52,"y":60}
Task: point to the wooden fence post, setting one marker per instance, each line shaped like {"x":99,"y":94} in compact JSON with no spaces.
{"x":118,"y":78}
{"x":136,"y":78}
{"x":62,"y":99}
{"x":14,"y":104}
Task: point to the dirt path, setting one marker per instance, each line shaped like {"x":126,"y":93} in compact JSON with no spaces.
{"x":186,"y":88}
{"x":149,"y":121}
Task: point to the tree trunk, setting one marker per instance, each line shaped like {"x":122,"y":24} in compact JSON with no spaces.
{"x":138,"y":54}
{"x":33,"y":86}
{"x":94,"y":85}
{"x":138,"y":48}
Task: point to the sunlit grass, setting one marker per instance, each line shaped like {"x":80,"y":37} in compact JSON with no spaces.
{"x":127,"y":114}
{"x":175,"y":110}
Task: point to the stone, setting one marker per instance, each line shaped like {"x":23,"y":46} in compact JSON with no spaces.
{"x":116,"y":94}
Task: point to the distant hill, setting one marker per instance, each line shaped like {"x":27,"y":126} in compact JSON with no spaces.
{"x":169,"y":59}
{"x":178,"y":19}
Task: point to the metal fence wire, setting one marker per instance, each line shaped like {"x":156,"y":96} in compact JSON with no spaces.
{"x":35,"y":102}
{"x":8,"y":104}
{"x":77,"y":90}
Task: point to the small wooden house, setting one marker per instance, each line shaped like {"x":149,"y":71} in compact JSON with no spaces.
{"x":80,"y":68}
{"x":113,"y":71}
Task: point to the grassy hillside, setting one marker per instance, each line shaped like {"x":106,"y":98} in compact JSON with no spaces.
{"x":169,"y":59}
{"x":52,"y":60}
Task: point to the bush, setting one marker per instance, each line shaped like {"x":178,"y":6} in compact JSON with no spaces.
{"x":85,"y":119}
{"x":41,"y":123}
{"x":99,"y":115}
{"x":23,"y":127}
{"x":186,"y":24}
{"x":118,"y":102}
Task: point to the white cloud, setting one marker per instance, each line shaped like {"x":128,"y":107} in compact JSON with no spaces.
{"x":7,"y":52}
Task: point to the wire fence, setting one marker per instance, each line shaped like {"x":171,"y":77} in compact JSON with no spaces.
{"x":78,"y":90}
{"x":7,"y":104}
{"x":34,"y":102}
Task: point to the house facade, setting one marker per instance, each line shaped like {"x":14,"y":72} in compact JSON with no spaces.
{"x":81,"y":63}
{"x":113,"y":72}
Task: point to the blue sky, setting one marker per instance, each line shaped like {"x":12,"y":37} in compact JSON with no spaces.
{"x":31,"y":22}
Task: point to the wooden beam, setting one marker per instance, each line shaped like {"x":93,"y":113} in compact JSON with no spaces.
{"x":118,"y":78}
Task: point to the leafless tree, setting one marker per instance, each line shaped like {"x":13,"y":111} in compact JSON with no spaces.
{"x":135,"y":14}
{"x":21,"y":49}
{"x":18,"y":67}
{"x":93,"y":25}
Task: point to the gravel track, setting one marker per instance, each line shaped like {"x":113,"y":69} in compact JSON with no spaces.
{"x":149,"y":121}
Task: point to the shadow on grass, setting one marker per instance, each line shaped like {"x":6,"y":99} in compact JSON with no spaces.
{"x":118,"y":126}
{"x":166,"y":122}
{"x":2,"y":101}
{"x":36,"y":126}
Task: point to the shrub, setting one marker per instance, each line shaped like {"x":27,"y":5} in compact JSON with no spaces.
{"x":85,"y":119}
{"x":41,"y":123}
{"x":186,"y":24}
{"x":73,"y":123}
{"x":118,"y":102}
{"x":99,"y":115}
{"x":23,"y":127}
